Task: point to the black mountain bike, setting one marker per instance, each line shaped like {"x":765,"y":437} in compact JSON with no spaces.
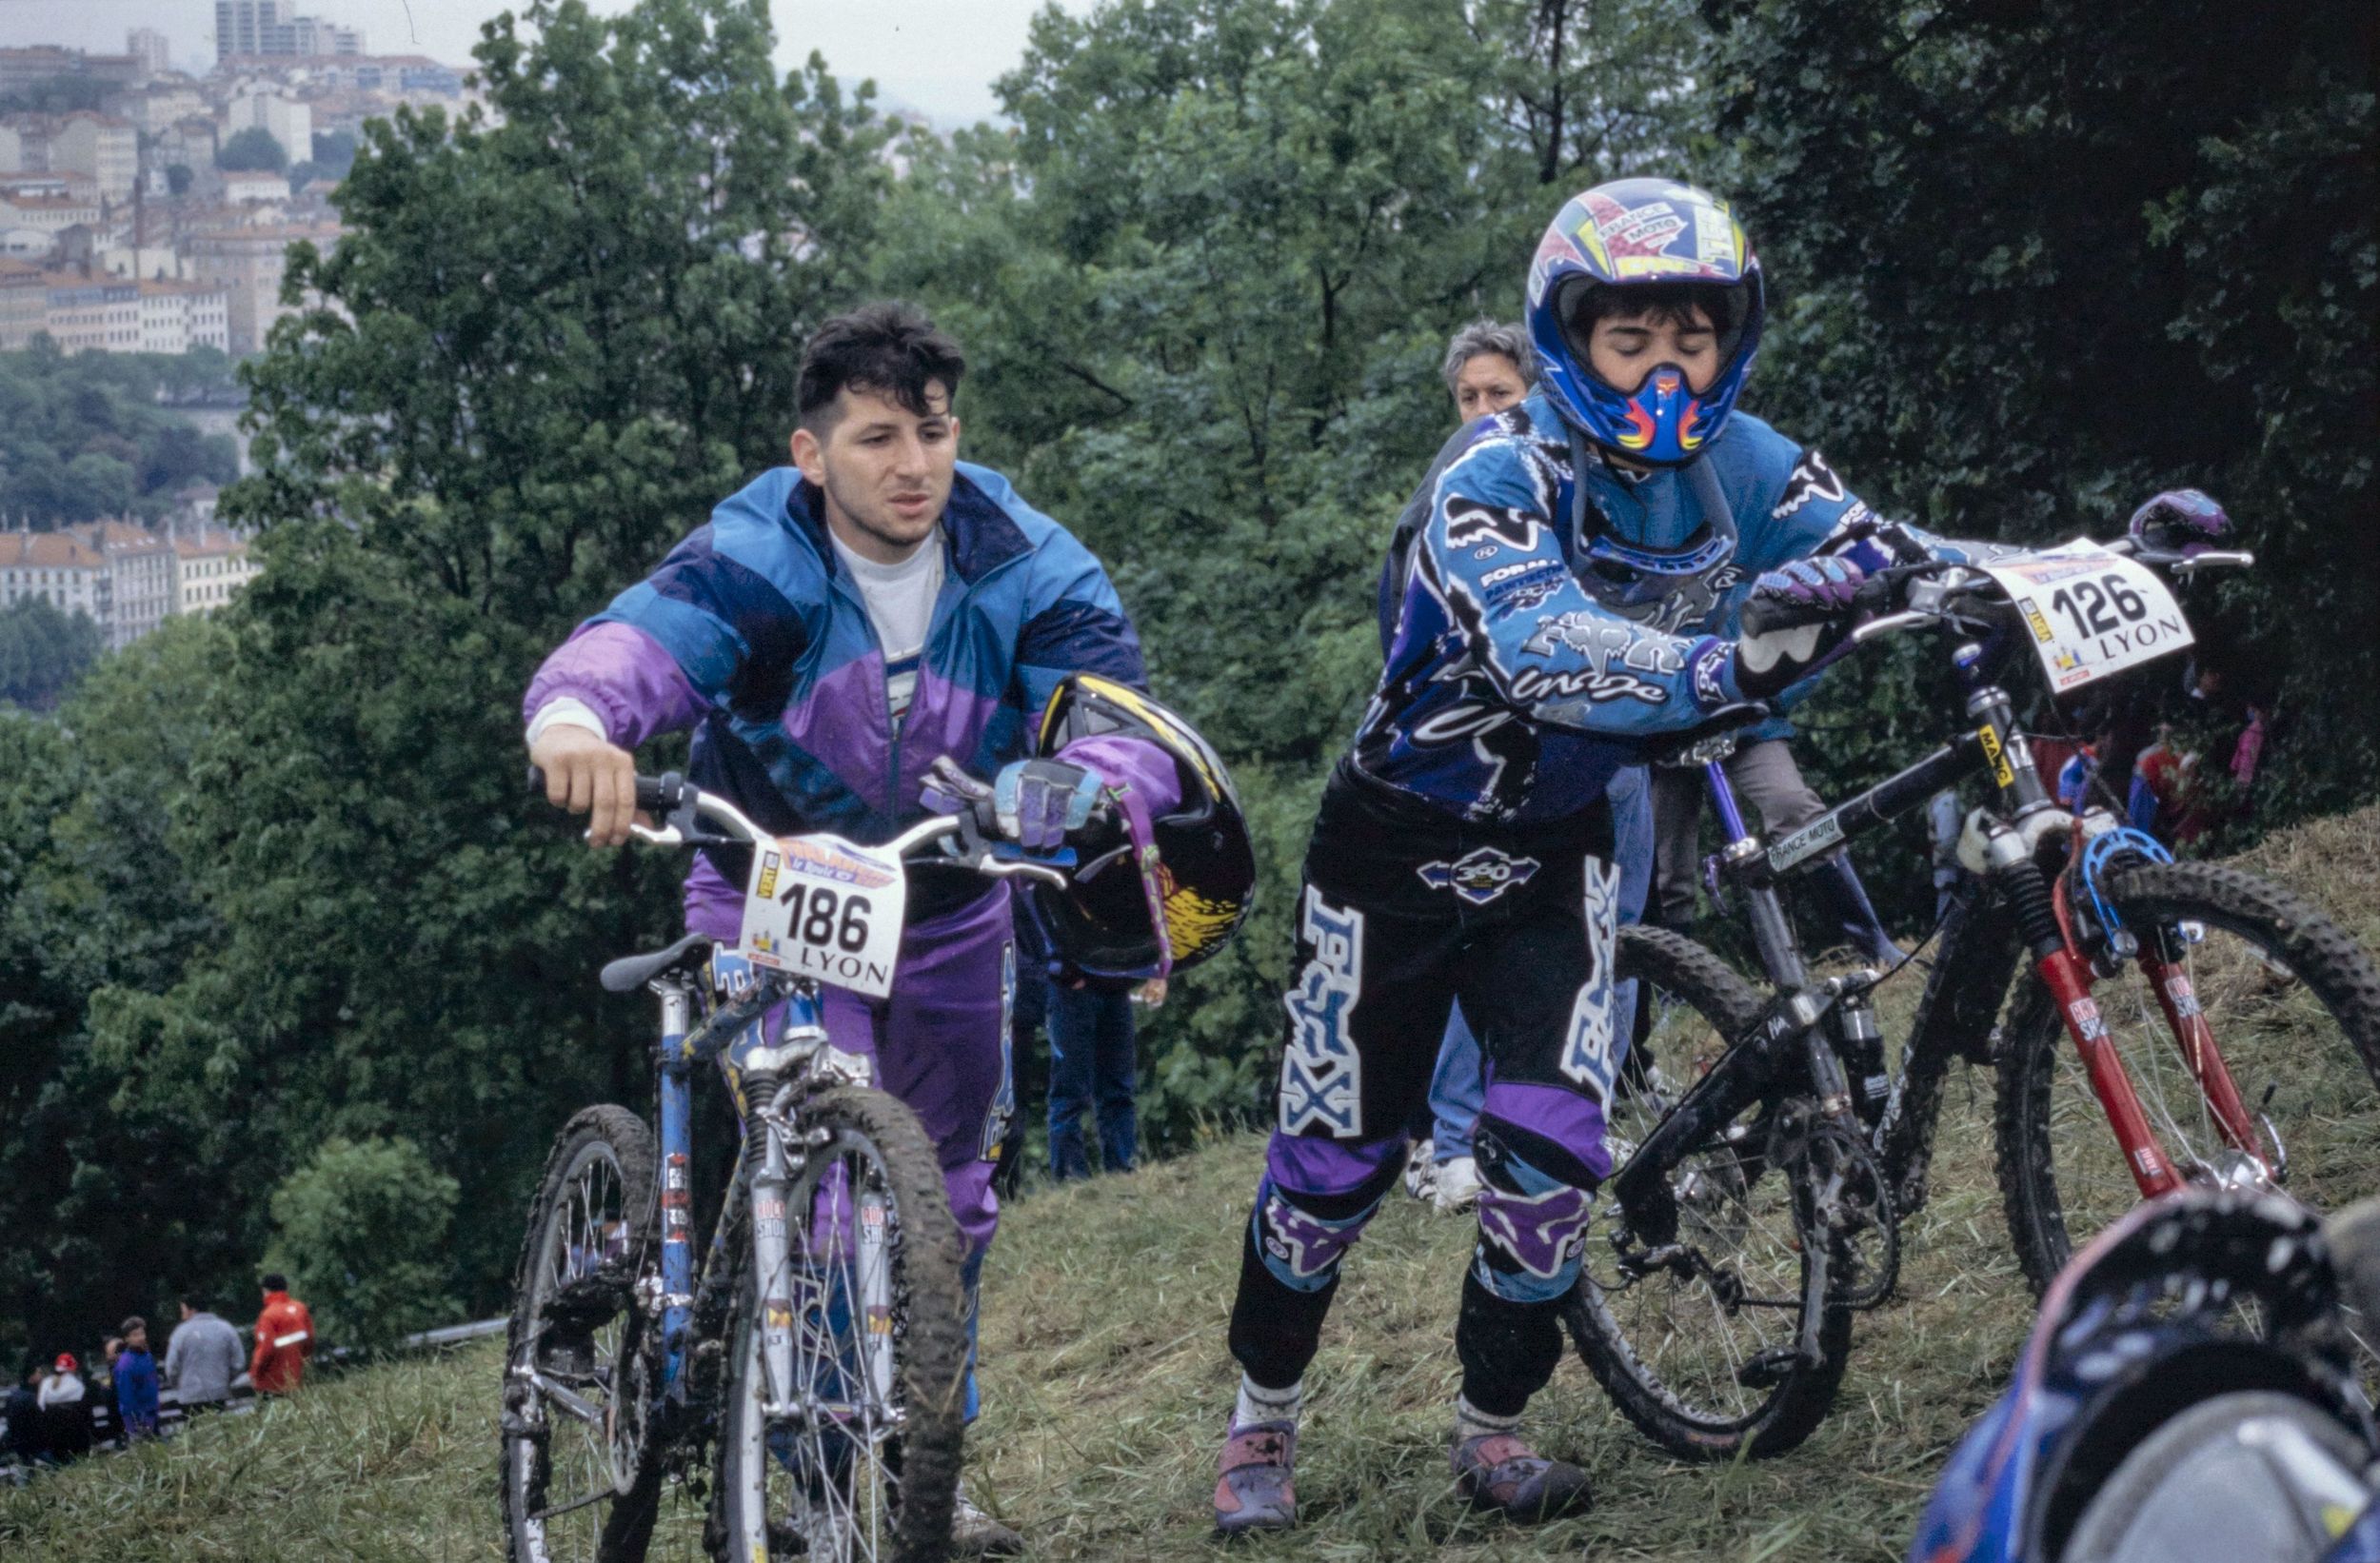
{"x":1768,"y":1152}
{"x":819,"y":1344}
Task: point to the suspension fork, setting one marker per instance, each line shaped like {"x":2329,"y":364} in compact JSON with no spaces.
{"x":2170,"y":979}
{"x":773,"y":1182}
{"x":2063,"y":968}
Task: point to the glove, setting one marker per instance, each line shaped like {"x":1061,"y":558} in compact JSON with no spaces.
{"x":1794,"y":617}
{"x":1036,"y":803}
{"x":2180,"y":520}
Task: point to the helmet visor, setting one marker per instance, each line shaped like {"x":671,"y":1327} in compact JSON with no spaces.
{"x":1581,"y":303}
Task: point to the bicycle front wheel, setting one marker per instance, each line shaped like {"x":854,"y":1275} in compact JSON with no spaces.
{"x":857,"y":1457}
{"x":577,"y":1481}
{"x":2292,"y":1004}
{"x":1702,"y":1353}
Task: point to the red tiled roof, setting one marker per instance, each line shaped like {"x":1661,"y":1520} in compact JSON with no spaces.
{"x":46,"y":550}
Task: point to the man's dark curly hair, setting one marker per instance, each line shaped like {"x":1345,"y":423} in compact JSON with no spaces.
{"x":888,"y":349}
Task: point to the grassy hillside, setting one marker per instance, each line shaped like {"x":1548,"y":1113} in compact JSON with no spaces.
{"x":1106,"y":1382}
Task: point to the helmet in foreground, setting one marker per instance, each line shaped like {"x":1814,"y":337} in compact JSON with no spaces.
{"x":1650,"y":237}
{"x":1201,"y":876}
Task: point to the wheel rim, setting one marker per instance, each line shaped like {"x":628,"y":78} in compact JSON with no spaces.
{"x":825,"y":1483}
{"x":1688,"y":1346}
{"x":2292,"y":1059}
{"x":583,"y":1459}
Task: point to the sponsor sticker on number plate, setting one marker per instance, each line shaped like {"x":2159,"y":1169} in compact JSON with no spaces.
{"x":822,"y":907}
{"x":2091,"y":612}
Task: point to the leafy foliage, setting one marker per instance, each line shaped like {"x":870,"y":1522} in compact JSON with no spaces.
{"x":44,"y":652}
{"x":268,"y":882}
{"x":83,"y":437}
{"x":2023,"y":295}
{"x":361,"y":1231}
{"x":253,"y":149}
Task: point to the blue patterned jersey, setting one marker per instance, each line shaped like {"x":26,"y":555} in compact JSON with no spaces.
{"x":1511,"y":694}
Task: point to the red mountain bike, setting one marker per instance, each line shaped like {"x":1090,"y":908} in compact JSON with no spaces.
{"x":2180,"y":1023}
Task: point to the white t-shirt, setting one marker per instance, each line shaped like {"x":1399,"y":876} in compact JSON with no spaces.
{"x":899,"y":600}
{"x":59,"y":1388}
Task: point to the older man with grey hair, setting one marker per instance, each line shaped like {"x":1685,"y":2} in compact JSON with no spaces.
{"x":1489,"y":367}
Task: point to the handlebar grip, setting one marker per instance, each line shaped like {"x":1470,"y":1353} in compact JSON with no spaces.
{"x":654,"y":794}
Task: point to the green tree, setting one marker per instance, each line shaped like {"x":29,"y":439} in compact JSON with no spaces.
{"x":333,"y":152}
{"x":2018,"y":297}
{"x":253,"y":149}
{"x":361,"y":1230}
{"x":44,"y":652}
{"x":107,"y":1175}
{"x":87,"y":436}
{"x":454,"y":477}
{"x":178,"y":177}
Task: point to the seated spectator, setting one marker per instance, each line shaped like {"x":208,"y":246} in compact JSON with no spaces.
{"x":28,"y":1438}
{"x":202,"y":1358}
{"x":66,"y":1419}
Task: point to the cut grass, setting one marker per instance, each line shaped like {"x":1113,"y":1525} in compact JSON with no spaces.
{"x":1106,"y":1384}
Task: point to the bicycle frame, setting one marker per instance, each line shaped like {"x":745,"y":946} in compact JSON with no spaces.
{"x":2026,"y":817}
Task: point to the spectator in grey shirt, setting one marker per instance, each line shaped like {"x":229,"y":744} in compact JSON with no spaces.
{"x":205,"y":1356}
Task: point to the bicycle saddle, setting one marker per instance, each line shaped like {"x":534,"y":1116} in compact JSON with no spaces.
{"x":631,"y":972}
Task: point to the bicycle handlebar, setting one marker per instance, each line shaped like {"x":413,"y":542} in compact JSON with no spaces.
{"x":684,"y":805}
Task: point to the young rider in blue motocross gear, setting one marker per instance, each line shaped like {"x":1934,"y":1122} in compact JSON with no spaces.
{"x":1568,"y":584}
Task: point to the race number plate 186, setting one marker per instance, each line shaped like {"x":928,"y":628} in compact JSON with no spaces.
{"x":819,"y":906}
{"x":2091,"y":613}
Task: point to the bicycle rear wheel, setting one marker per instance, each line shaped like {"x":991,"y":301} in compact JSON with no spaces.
{"x":1701,"y":1356}
{"x":576,"y":1482}
{"x":2294,"y":1004}
{"x":864,"y":1463}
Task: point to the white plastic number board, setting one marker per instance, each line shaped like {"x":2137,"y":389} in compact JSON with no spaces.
{"x":824,"y":908}
{"x":2090,"y":612}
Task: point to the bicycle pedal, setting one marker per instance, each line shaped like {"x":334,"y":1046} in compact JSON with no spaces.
{"x":1766,"y":1370}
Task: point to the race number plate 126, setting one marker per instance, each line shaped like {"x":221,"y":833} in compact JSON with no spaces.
{"x":2091,"y":613}
{"x":819,"y":906}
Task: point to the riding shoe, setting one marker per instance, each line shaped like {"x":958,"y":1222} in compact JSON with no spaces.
{"x":1498,"y":1473}
{"x":1254,"y":1491}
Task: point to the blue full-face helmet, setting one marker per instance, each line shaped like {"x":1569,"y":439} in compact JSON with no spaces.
{"x":1640,"y":234}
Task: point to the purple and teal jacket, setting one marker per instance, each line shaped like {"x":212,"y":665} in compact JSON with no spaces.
{"x":753,"y":634}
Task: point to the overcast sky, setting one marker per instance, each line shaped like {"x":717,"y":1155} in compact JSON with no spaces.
{"x":936,"y":56}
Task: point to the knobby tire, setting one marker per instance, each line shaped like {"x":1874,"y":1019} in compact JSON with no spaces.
{"x":594,"y":1135}
{"x":1792,"y":1408}
{"x":930,"y":1332}
{"x":2036,"y":1084}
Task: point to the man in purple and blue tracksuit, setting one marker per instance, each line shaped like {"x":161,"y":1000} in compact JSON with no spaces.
{"x":843,"y":633}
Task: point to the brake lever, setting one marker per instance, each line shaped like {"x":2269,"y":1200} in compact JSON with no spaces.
{"x":969,"y":848}
{"x":1887,"y":624}
{"x":2214,"y":559}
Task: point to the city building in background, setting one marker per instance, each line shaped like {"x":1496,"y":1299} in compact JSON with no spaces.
{"x":128,"y":578}
{"x":272,"y":27}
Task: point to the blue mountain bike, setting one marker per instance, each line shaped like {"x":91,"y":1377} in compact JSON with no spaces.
{"x":819,"y":1344}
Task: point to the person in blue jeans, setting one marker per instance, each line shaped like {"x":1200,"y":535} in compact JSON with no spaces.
{"x":1092,"y":1065}
{"x":1488,"y":369}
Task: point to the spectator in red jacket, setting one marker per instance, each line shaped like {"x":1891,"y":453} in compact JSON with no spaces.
{"x":285,"y":1338}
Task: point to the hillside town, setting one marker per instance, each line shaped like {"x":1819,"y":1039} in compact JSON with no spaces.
{"x":148,"y":199}
{"x":128,"y":578}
